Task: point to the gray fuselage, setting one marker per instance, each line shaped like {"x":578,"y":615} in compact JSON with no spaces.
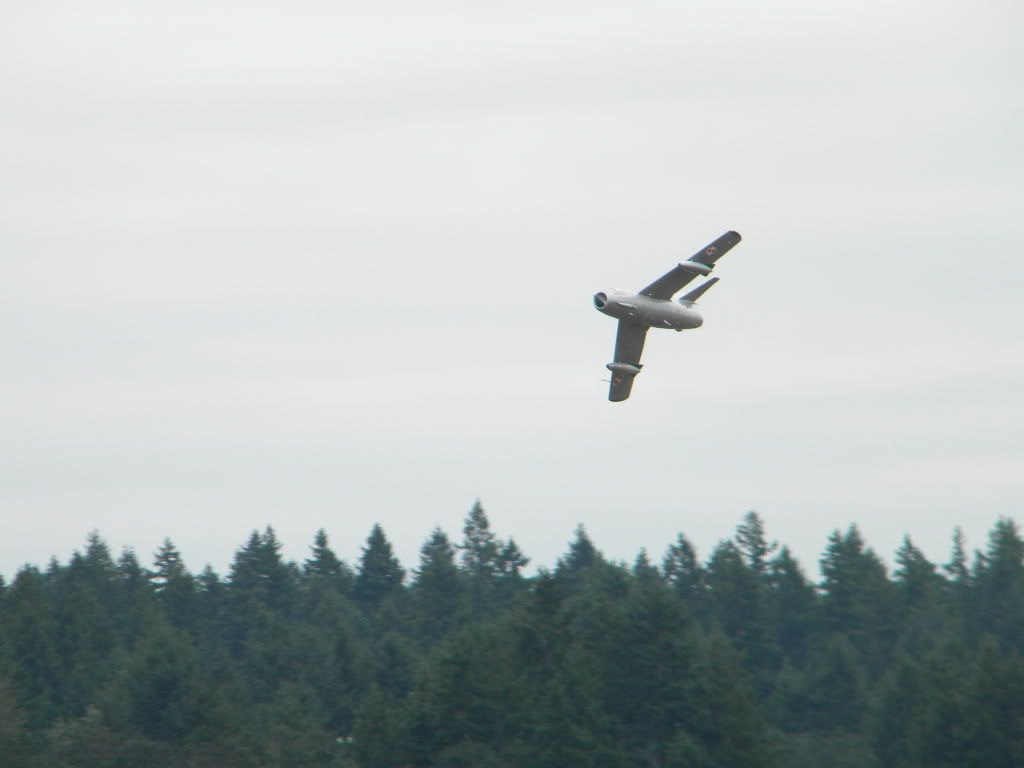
{"x":643,"y":310}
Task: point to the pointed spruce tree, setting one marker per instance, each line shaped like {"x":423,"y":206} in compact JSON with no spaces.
{"x":323,"y":568}
{"x":858,"y":598}
{"x":380,"y":574}
{"x":684,"y":573}
{"x":753,"y":545}
{"x":437,"y":585}
{"x":175,"y":587}
{"x":791,"y":606}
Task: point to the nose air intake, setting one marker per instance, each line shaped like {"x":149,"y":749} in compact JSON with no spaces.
{"x":600,"y":300}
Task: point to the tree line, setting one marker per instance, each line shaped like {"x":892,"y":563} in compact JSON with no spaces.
{"x":735,"y":661}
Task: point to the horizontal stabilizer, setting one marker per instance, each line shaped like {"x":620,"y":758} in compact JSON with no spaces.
{"x":697,"y":292}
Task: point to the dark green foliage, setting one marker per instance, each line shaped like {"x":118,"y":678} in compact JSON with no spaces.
{"x":175,"y":587}
{"x":752,"y":544}
{"x":379,"y":736}
{"x":380,"y":573}
{"x":480,"y":547}
{"x":736,"y":662}
{"x":85,"y":603}
{"x":737,"y":596}
{"x":996,"y":704}
{"x":859,"y":599}
{"x":652,"y":683}
{"x":323,"y":569}
{"x":836,"y":683}
{"x":684,"y":573}
{"x":918,"y":581}
{"x":791,"y":607}
{"x":437,"y":585}
{"x":30,"y":630}
{"x":998,"y":580}
{"x":259,"y":575}
{"x":956,"y":568}
{"x":492,"y":566}
{"x":14,"y":746}
{"x":735,"y":732}
{"x":582,"y":553}
{"x":157,"y":692}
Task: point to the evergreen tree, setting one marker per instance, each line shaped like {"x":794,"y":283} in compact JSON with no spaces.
{"x":213,"y":604}
{"x":901,"y":719}
{"x":791,"y":606}
{"x":738,"y":603}
{"x":480,"y":550}
{"x":260,"y":610}
{"x":837,"y":687}
{"x":599,"y":665}
{"x":14,"y":743}
{"x":135,"y":606}
{"x":858,"y":596}
{"x":167,"y":567}
{"x":920,"y":586}
{"x":582,"y":553}
{"x":652,"y":672}
{"x":957,"y":568}
{"x":85,"y":636}
{"x":293,"y":730}
{"x":752,"y":544}
{"x":684,"y":573}
{"x":379,"y":737}
{"x":471,"y":693}
{"x":174,"y":586}
{"x":380,"y":574}
{"x":949,"y":714}
{"x":437,"y":585}
{"x":511,"y":562}
{"x":578,"y":566}
{"x":643,"y":569}
{"x":156,"y":694}
{"x":324,"y":568}
{"x":997,"y":709}
{"x":89,"y":742}
{"x":258,"y":572}
{"x":998,"y":580}
{"x":30,"y":627}
{"x":734,"y":731}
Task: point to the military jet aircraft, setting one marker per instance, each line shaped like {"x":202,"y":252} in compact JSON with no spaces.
{"x":653,"y":308}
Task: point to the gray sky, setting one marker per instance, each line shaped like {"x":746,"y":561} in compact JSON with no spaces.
{"x":325,"y":264}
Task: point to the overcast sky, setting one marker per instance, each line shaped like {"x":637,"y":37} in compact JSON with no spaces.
{"x":325,"y":264}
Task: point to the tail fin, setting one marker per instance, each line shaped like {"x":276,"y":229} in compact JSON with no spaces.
{"x":690,"y":298}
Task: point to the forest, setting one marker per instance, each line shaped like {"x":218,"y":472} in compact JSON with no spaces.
{"x":470,"y":659}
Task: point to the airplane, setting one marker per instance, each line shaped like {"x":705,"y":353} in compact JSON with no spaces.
{"x":653,"y":308}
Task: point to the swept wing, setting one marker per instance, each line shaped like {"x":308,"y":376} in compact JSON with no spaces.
{"x":629,"y":345}
{"x":701,"y":263}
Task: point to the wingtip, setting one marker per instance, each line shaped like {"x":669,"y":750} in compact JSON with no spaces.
{"x":734,"y":235}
